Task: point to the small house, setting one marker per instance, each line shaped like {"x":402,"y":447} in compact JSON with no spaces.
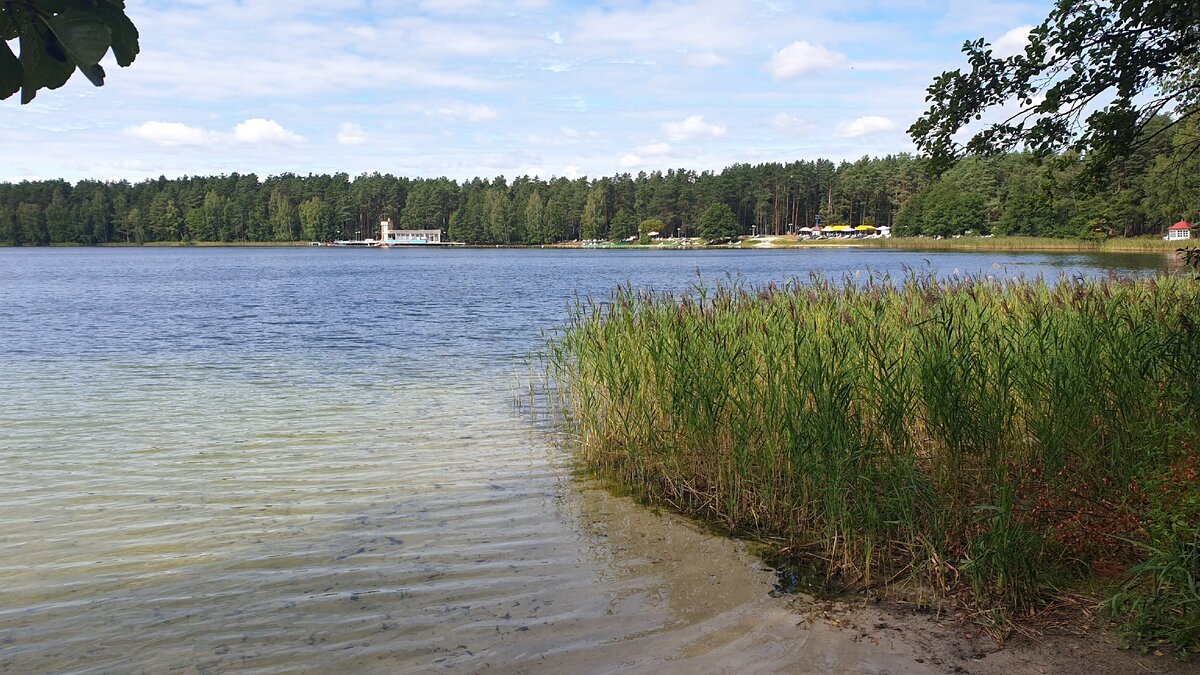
{"x":1179,"y":231}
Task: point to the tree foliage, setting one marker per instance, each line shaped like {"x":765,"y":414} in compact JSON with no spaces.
{"x":623,"y":226}
{"x":1093,"y":78}
{"x":57,"y":37}
{"x":593,"y":223}
{"x":1151,"y":188}
{"x":718,"y":223}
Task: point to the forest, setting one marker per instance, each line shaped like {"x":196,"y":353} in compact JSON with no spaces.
{"x":1006,"y":194}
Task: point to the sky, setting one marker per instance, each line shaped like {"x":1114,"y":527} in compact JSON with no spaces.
{"x":466,"y":88}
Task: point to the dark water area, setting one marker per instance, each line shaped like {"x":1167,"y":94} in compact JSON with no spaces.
{"x":307,"y":460}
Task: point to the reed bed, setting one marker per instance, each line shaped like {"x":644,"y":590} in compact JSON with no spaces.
{"x":994,"y":440}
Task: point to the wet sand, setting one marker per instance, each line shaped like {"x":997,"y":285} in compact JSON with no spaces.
{"x":716,"y":614}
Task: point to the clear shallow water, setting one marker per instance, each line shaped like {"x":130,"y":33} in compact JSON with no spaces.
{"x":307,"y":460}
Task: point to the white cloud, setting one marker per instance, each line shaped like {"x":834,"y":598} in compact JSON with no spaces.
{"x":692,"y":128}
{"x":171,"y":134}
{"x":478,"y":6}
{"x":237,"y":74}
{"x":1012,"y":43}
{"x":264,"y":131}
{"x":696,"y":24}
{"x":571,"y":171}
{"x":653,"y":149}
{"x":255,"y":131}
{"x":432,"y":105}
{"x":351,"y":134}
{"x":865,"y":126}
{"x":630,"y":161}
{"x":466,"y":111}
{"x":802,"y":58}
{"x":363,"y":33}
{"x":459,"y":38}
{"x":789,"y":123}
{"x":705,"y":60}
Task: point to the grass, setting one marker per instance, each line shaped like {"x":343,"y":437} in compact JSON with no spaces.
{"x":1119,"y":244}
{"x":997,"y":441}
{"x":1014,"y":243}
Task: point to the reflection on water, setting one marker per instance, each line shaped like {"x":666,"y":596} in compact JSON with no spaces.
{"x":307,"y":460}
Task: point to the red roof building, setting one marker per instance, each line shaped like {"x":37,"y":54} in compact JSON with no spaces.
{"x":1179,"y":231}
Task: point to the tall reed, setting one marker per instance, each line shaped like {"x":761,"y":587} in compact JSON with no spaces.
{"x":987,"y":436}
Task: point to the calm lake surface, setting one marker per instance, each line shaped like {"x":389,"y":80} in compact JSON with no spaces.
{"x":285,"y":460}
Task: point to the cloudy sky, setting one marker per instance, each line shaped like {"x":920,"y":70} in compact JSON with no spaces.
{"x":465,"y":88}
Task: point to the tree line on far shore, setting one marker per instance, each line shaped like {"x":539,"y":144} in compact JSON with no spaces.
{"x":1008,"y":194}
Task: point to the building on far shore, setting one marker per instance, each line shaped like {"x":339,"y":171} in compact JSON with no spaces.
{"x":1179,"y":231}
{"x":390,"y":236}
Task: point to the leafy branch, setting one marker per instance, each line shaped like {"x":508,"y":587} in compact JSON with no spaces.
{"x":1080,"y":84}
{"x":57,"y":37}
{"x":1191,"y":258}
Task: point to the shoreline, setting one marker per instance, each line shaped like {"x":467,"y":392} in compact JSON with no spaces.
{"x":908,"y":628}
{"x":971,"y":244}
{"x":912,"y":633}
{"x":1070,"y":640}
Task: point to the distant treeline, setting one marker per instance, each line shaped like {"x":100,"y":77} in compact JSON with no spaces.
{"x":1007,"y":194}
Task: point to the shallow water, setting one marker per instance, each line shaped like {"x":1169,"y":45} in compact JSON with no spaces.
{"x":308,"y":460}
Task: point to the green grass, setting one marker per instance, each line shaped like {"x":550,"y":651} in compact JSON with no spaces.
{"x":1117,"y":244}
{"x":997,"y":441}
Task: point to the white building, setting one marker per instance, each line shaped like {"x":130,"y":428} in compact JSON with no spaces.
{"x":1179,"y":231}
{"x":390,"y":236}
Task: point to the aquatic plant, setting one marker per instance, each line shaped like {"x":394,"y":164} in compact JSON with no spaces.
{"x":994,"y":438}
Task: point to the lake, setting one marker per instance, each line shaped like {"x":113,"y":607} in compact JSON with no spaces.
{"x":309,"y":459}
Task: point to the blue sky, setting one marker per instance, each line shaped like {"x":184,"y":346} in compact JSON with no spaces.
{"x":465,"y":88}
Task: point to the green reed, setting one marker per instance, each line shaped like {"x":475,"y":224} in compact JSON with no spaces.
{"x":994,"y":437}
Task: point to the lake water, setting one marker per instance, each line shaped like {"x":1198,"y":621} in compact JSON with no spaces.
{"x":308,"y":460}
